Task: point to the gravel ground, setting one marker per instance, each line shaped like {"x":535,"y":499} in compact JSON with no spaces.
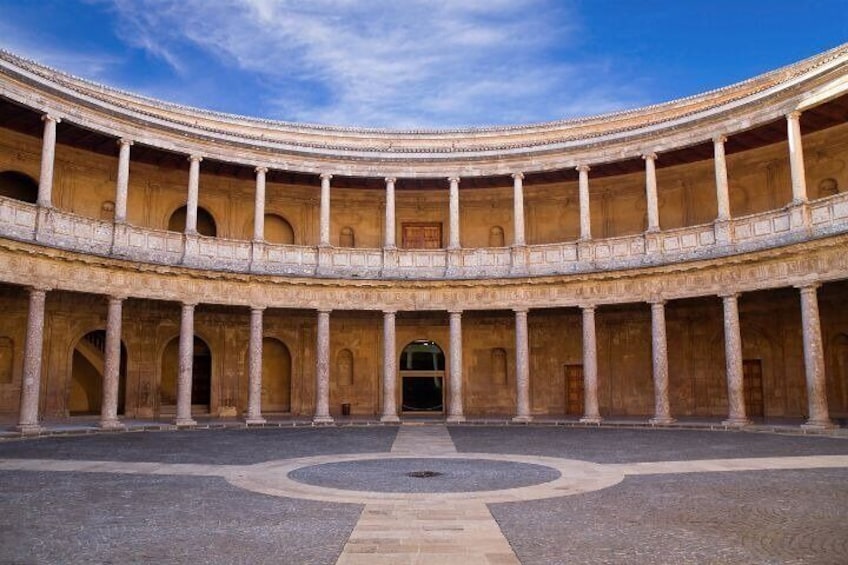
{"x":455,"y":475}
{"x":605,"y":445}
{"x":786,"y":517}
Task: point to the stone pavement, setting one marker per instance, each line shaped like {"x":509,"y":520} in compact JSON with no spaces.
{"x":504,"y":495}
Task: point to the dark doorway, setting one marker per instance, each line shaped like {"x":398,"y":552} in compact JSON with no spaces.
{"x":752,"y":378}
{"x":422,"y":372}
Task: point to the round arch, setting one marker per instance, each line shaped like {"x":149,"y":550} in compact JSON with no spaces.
{"x":205,"y":221}
{"x":85,"y":388}
{"x":18,"y":185}
{"x":422,"y":373}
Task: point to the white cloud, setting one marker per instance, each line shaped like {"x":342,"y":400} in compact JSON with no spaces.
{"x":385,"y":62}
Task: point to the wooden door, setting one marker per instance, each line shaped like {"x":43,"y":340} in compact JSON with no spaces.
{"x":574,"y":389}
{"x":752,"y":379}
{"x":422,"y":235}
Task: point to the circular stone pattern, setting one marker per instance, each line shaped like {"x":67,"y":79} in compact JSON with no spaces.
{"x":453,"y":475}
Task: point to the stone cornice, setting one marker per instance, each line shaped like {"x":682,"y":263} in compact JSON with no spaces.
{"x":423,"y":153}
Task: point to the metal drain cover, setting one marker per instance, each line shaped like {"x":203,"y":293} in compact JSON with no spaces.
{"x":423,"y":474}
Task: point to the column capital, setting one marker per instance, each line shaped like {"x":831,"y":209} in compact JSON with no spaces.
{"x":649,"y":156}
{"x":125,"y":141}
{"x":588,"y":307}
{"x":116,"y":298}
{"x":187,"y":305}
{"x":389,"y":312}
{"x":518,"y":176}
{"x":808,"y":286}
{"x":325,"y":176}
{"x":51,"y":117}
{"x":729,"y":295}
{"x":260,"y":170}
{"x":195,"y":157}
{"x":257,"y":307}
{"x":455,"y":312}
{"x":654,"y":302}
{"x":39,"y":288}
{"x":794,"y":115}
{"x":390,"y":180}
{"x":453,"y":179}
{"x":719,"y":138}
{"x":582,"y":168}
{"x":521,"y":310}
{"x":326,"y":311}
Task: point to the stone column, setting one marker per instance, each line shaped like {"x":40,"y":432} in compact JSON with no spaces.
{"x":389,"y":238}
{"x":33,"y":347}
{"x":122,"y":184}
{"x":518,"y":208}
{"x":591,"y":413}
{"x":583,"y":195}
{"x":254,"y":368}
{"x":819,"y":417}
{"x":733,"y":360}
{"x":112,"y":365}
{"x":651,"y":191}
{"x":259,"y":205}
{"x":389,"y":368}
{"x":186,"y":367}
{"x":48,"y":158}
{"x":796,"y":158}
{"x":193,"y":187}
{"x":453,"y":242}
{"x":324,"y":218}
{"x":722,"y":191}
{"x":522,"y":368}
{"x":455,"y":410}
{"x":322,"y":370}
{"x":659,"y":348}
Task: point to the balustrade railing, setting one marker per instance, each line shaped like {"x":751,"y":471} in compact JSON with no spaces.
{"x":22,"y":221}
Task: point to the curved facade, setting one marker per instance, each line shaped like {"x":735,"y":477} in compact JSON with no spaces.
{"x":684,"y":260}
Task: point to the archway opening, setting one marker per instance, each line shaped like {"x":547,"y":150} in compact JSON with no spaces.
{"x":20,"y":186}
{"x":278,"y":230}
{"x":201,"y":376}
{"x":85,"y":395}
{"x":276,"y":376}
{"x":205,"y":222}
{"x":422,"y":372}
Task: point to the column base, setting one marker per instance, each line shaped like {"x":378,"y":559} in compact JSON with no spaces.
{"x":818,"y":425}
{"x":29,"y":429}
{"x":322,"y":420}
{"x":455,"y":419}
{"x":250,"y":421}
{"x":111,"y":425}
{"x":663,"y":421}
{"x":522,"y":419}
{"x":185,"y":422}
{"x":736,"y":422}
{"x":390,"y":418}
{"x":591,"y":420}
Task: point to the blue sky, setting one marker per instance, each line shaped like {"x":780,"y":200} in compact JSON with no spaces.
{"x":420,"y":63}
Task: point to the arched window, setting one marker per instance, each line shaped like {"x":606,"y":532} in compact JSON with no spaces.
{"x":496,"y":237}
{"x":344,"y":367}
{"x":17,"y":185}
{"x":347,"y":237}
{"x":278,"y":230}
{"x":205,"y":221}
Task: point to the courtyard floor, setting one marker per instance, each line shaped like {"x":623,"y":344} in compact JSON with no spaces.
{"x":425,"y":493}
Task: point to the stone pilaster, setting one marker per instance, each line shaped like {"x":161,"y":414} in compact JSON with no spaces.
{"x":324,"y":216}
{"x":522,"y":368}
{"x":583,"y":195}
{"x":28,"y":422}
{"x":122,"y":182}
{"x":254,"y":368}
{"x":651,"y":191}
{"x":796,"y":158}
{"x":591,"y":413}
{"x":112,"y":365}
{"x":819,"y":418}
{"x":259,"y":205}
{"x":455,"y":409}
{"x":184,"y":377}
{"x":453,"y":236}
{"x":48,"y":159}
{"x":193,"y":192}
{"x":322,"y":370}
{"x":389,"y":368}
{"x":733,"y":360}
{"x":659,"y":349}
{"x":518,"y":208}
{"x":389,"y":236}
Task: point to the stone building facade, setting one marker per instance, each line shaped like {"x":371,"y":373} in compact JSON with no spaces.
{"x":682,"y":260}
